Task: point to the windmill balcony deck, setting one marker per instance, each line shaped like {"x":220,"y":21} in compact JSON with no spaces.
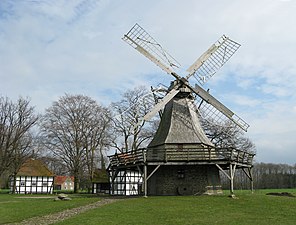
{"x":184,"y":156}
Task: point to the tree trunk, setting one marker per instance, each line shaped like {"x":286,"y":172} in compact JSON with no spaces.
{"x":14,"y":183}
{"x":76,"y":182}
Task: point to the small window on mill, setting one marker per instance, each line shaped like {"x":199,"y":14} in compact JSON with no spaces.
{"x":181,"y":174}
{"x":180,"y":147}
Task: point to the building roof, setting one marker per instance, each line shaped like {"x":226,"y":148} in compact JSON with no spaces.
{"x":34,"y":167}
{"x":58,"y":180}
{"x":100,"y":176}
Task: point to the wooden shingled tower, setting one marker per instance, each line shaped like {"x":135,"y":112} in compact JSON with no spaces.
{"x":181,"y":160}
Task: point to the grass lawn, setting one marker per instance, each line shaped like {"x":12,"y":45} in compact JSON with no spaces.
{"x":257,"y":208}
{"x":15,"y":208}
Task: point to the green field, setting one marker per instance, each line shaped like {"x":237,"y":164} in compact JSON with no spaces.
{"x":257,"y":208}
{"x":15,"y":208}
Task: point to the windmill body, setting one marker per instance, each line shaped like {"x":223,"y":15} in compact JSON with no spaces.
{"x":181,"y":160}
{"x":178,"y":140}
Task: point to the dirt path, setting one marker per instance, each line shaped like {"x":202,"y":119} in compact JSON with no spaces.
{"x":60,"y":216}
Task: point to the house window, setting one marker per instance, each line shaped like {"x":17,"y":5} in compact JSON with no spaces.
{"x":22,"y":183}
{"x":44,"y":184}
{"x":33,"y":183}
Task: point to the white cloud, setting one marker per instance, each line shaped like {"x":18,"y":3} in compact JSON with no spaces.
{"x":244,"y":100}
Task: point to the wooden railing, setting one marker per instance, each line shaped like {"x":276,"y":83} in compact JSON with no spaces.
{"x":186,"y":155}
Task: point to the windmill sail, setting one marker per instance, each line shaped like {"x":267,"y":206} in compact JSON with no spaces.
{"x":161,"y":104}
{"x":212,"y":60}
{"x":139,"y":39}
{"x":213,"y":106}
{"x":202,"y":69}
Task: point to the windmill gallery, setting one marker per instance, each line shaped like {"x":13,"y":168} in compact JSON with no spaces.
{"x":181,"y":160}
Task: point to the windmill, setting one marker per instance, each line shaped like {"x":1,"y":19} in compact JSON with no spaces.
{"x":180,"y":151}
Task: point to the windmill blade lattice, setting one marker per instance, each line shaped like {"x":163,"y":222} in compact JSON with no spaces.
{"x":139,"y":39}
{"x":213,"y":59}
{"x":211,"y":113}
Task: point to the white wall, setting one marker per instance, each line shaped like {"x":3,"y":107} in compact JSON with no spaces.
{"x":127,"y":183}
{"x":32,"y":185}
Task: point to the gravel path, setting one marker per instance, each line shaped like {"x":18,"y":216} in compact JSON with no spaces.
{"x":60,"y":216}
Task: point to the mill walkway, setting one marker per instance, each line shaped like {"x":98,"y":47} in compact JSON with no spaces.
{"x":220,"y":156}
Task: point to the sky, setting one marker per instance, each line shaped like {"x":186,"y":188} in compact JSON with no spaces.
{"x":52,"y":47}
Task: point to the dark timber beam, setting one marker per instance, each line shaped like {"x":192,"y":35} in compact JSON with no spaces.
{"x":249,"y":174}
{"x":155,"y":169}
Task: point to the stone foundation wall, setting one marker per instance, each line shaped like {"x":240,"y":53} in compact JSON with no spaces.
{"x":184,"y":180}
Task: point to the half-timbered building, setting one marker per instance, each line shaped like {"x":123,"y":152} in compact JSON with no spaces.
{"x":33,"y":177}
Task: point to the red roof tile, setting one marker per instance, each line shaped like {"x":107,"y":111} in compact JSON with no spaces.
{"x":58,"y":180}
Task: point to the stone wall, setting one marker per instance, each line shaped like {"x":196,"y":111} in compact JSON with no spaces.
{"x":184,"y":180}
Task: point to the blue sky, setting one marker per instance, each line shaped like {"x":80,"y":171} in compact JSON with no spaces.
{"x":52,"y":47}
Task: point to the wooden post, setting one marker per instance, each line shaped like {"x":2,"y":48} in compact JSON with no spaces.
{"x":250,"y":176}
{"x":251,"y":179}
{"x":231,"y":179}
{"x":145,"y":180}
{"x":112,"y":181}
{"x":145,"y":173}
{"x":232,"y":172}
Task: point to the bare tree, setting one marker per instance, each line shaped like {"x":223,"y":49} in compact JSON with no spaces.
{"x":54,"y":164}
{"x":98,"y":136}
{"x":127,"y":114}
{"x":75,"y":128}
{"x":16,"y":139}
{"x":225,"y":135}
{"x":270,"y":175}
